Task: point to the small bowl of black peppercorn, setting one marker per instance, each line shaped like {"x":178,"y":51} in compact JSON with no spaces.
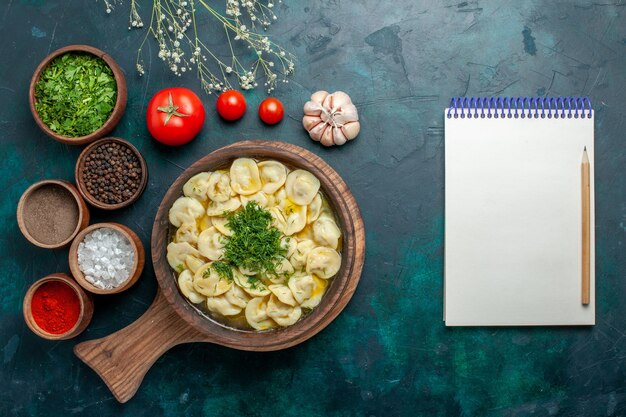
{"x":111,"y":173}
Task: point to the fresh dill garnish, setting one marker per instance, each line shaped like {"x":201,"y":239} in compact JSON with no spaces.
{"x":255,"y":243}
{"x":254,"y":282}
{"x":223,"y":270}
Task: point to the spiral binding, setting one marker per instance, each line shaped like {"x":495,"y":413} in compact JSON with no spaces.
{"x":522,"y":107}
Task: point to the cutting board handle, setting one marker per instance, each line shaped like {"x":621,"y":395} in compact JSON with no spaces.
{"x":123,"y":358}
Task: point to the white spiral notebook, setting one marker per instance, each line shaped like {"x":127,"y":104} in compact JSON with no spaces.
{"x":514,"y":213}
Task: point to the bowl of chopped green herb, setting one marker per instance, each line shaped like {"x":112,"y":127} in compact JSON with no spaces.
{"x":77,"y":94}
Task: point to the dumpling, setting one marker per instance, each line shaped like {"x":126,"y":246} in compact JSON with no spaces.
{"x":252,"y":285}
{"x":185,"y":210}
{"x":314,"y":209}
{"x":283,"y":314}
{"x":218,"y":187}
{"x":323,"y":262}
{"x":290,"y":219}
{"x":211,"y":244}
{"x":277,"y":198}
{"x":326,"y":210}
{"x":259,"y":197}
{"x":283,"y":270}
{"x":244,"y":176}
{"x":273,"y":175}
{"x":279,"y":222}
{"x":285,"y":267}
{"x":256,"y":314}
{"x":194,"y":263}
{"x":301,"y":287}
{"x":222,"y":305}
{"x":196,"y":186}
{"x":205,"y":222}
{"x":220,"y":224}
{"x":177,"y":254}
{"x":326,"y":232}
{"x":208,"y":282}
{"x":298,"y":259}
{"x":237,"y":297}
{"x":187,"y":232}
{"x":318,"y":292}
{"x":301,"y":187}
{"x":185,"y":283}
{"x":289,"y":245}
{"x":304,"y":234}
{"x":283,"y":293}
{"x":219,"y":209}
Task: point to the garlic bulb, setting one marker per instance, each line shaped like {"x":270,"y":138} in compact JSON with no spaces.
{"x":331,"y":119}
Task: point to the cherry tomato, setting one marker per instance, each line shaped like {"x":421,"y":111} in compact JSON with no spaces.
{"x":231,"y":105}
{"x":271,"y":111}
{"x":175,"y":116}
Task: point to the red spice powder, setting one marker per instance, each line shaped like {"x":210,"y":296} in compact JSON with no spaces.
{"x":55,"y":307}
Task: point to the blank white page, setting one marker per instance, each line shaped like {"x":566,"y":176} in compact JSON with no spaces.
{"x":513,"y":228}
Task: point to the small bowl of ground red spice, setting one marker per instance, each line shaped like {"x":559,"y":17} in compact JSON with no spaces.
{"x":77,"y":94}
{"x":111,"y":173}
{"x":57,"y":308}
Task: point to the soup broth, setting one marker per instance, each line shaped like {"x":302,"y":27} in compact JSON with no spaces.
{"x":254,"y":246}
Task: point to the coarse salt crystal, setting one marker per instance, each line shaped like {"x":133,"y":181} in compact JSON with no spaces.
{"x":106,"y":258}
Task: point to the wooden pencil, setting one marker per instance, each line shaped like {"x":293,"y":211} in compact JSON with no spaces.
{"x":586,"y":232}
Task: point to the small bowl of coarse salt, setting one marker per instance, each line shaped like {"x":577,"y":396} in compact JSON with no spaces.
{"x":106,"y":258}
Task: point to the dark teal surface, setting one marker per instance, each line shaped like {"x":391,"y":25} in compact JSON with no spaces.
{"x":388,"y":353}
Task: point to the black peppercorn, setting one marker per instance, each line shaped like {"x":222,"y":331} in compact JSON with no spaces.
{"x":111,"y":173}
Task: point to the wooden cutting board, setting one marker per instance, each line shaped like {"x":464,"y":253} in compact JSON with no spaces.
{"x":123,"y":358}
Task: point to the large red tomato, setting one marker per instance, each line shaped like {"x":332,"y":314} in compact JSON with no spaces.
{"x":231,"y":105}
{"x":175,"y":116}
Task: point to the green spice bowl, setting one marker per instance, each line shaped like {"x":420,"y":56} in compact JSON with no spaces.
{"x":114,"y":117}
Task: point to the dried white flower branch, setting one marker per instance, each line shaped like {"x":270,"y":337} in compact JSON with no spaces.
{"x":173,"y":23}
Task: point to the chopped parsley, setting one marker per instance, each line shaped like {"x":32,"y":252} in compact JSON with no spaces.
{"x":75,"y":94}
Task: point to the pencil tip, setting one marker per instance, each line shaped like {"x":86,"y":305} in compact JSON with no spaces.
{"x":585,"y":148}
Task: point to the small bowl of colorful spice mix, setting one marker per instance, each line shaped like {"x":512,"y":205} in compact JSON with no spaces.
{"x":106,"y":258}
{"x":111,"y":173}
{"x":77,"y":94}
{"x":57,"y":308}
